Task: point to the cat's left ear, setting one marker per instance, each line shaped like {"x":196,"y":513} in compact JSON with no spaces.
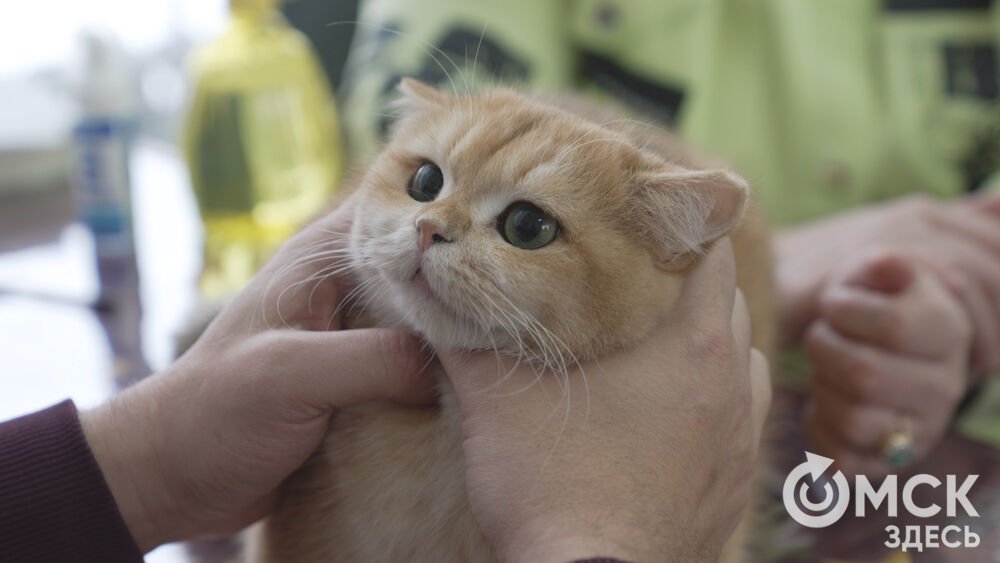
{"x":681,"y":212}
{"x":420,"y":95}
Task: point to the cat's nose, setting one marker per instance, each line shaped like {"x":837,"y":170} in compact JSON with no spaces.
{"x":429,"y":233}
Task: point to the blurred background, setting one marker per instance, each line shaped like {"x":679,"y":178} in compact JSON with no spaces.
{"x":105,"y":107}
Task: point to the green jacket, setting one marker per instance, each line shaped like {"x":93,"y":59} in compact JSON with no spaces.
{"x":823,"y":105}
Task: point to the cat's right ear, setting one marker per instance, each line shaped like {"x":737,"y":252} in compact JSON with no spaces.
{"x":681,"y":212}
{"x":416,"y":94}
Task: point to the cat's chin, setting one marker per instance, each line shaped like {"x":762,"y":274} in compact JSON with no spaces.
{"x":423,"y":312}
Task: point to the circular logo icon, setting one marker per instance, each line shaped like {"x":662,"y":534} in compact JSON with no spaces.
{"x":826,"y":511}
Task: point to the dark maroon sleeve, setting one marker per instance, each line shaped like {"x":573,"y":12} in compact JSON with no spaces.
{"x":54,"y":503}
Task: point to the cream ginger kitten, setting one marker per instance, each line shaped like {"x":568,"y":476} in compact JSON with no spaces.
{"x":537,"y":228}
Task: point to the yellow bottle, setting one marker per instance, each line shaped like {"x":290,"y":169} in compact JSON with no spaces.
{"x":261,"y":142}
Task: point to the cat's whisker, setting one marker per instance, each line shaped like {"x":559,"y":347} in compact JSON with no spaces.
{"x":367,"y":297}
{"x":475,"y":59}
{"x":309,"y":255}
{"x":525,"y":322}
{"x":335,"y":267}
{"x":423,"y":45}
{"x":541,"y":335}
{"x":508,"y":325}
{"x":354,"y":293}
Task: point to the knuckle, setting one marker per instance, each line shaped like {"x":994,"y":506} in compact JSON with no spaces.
{"x":396,"y":351}
{"x":861,"y":377}
{"x":853,"y":426}
{"x":893,"y":326}
{"x":273,"y":351}
{"x":956,"y":282}
{"x":813,"y":341}
{"x":884,"y":253}
{"x":960,"y":327}
{"x":711,"y":342}
{"x":257,"y":364}
{"x":743,"y":407}
{"x":952,"y":388}
{"x":954,"y":393}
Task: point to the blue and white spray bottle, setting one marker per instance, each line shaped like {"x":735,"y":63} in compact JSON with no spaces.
{"x":102,"y":140}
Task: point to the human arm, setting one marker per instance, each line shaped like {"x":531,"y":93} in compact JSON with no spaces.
{"x":646,"y":455}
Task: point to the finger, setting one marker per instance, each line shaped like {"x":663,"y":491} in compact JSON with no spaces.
{"x":844,"y":458}
{"x":336,"y":221}
{"x":971,"y":223}
{"x":883,"y":272}
{"x":906,"y":324}
{"x":973,"y":276}
{"x":862,"y":428}
{"x":761,"y":391}
{"x":709,"y":290}
{"x":328,"y":233}
{"x":923,"y":320}
{"x":983,"y":313}
{"x":873,"y":376}
{"x":863,"y":314}
{"x":302,"y":284}
{"x":353,"y":366}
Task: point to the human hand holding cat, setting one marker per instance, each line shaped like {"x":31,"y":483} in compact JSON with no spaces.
{"x":891,"y":343}
{"x":202,"y":447}
{"x":644,"y":455}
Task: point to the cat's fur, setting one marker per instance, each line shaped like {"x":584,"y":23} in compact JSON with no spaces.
{"x":636,"y":210}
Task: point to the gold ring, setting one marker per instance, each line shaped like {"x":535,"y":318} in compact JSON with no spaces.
{"x":897,"y":448}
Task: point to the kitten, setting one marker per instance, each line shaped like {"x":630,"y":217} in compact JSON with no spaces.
{"x":542,"y":228}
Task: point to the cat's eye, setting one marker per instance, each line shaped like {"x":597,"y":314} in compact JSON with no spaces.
{"x":426,"y":183}
{"x":526,"y":226}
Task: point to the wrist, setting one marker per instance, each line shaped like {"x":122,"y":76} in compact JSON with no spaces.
{"x":121,"y":442}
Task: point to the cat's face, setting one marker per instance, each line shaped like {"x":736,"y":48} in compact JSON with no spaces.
{"x":498,"y":221}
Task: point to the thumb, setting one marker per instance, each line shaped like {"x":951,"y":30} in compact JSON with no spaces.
{"x":883,"y":272}
{"x":353,"y":366}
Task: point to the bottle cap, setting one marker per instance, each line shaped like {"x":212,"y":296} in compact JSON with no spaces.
{"x":106,"y":81}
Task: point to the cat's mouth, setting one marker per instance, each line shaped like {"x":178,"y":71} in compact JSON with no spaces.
{"x":421,"y":282}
